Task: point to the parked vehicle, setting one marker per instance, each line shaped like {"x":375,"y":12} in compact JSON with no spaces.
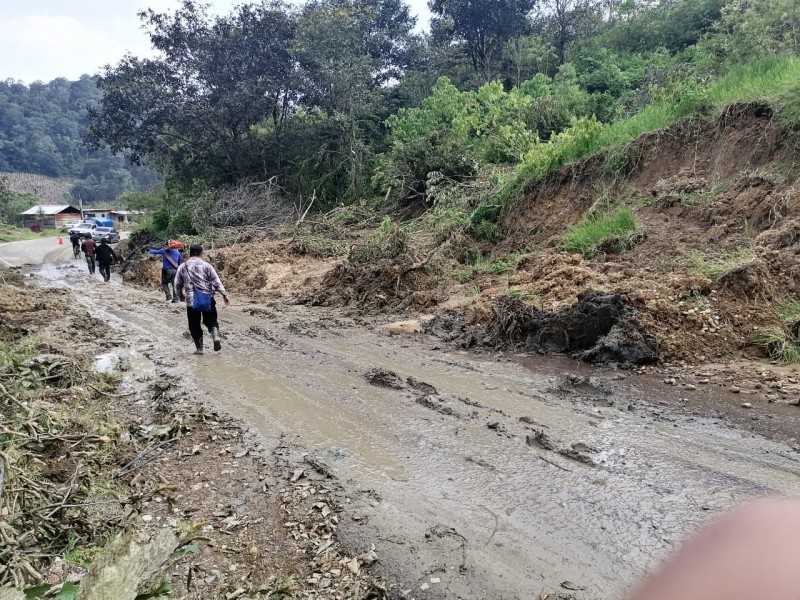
{"x":71,"y":225}
{"x":108,"y":234}
{"x":84,"y":229}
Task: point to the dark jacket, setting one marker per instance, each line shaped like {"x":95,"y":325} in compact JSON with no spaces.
{"x":105,"y":254}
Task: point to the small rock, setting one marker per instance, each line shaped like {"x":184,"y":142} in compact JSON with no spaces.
{"x":735,"y":390}
{"x":670,"y":381}
{"x":253,"y":551}
{"x":353,"y":566}
{"x":746,"y":405}
{"x":689,"y":387}
{"x":147,"y":518}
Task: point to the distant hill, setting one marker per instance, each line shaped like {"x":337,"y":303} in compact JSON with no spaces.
{"x":41,"y":133}
{"x":50,"y":190}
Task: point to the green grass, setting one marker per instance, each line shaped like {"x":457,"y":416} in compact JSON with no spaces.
{"x":779,"y":343}
{"x":18,"y":234}
{"x":520,"y":294}
{"x":618,"y":231}
{"x":388,"y":241}
{"x":320,"y":246}
{"x":723,"y":265}
{"x":789,"y":311}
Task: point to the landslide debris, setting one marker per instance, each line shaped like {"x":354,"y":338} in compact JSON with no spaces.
{"x":598,"y":328}
{"x":717,"y":204}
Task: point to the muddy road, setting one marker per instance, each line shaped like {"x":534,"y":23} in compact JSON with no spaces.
{"x":474,"y":476}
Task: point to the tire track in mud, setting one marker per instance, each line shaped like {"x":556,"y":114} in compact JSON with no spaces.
{"x":453,"y":485}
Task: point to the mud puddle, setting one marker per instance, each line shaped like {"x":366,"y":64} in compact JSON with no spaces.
{"x":493,"y":480}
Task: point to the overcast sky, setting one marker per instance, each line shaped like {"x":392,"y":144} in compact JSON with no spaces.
{"x":45,"y":39}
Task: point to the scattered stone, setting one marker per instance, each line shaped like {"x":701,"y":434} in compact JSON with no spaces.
{"x":746,"y":405}
{"x":384,"y":378}
{"x":540,"y":440}
{"x":689,"y":386}
{"x":734,"y":389}
{"x":421,"y":386}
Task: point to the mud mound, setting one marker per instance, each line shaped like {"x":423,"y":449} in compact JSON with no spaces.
{"x":269,"y":269}
{"x":46,"y":316}
{"x":448,"y":325}
{"x":137,"y":267}
{"x":25,"y":310}
{"x":394,"y":284}
{"x":597,"y":329}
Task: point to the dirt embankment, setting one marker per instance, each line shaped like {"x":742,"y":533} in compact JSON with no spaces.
{"x":702,"y":192}
{"x":93,"y":450}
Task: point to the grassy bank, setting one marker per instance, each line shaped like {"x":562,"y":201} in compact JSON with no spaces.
{"x":18,"y":234}
{"x":773,"y":80}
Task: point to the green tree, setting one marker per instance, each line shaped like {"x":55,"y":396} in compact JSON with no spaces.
{"x":484,"y":28}
{"x":749,"y":29}
{"x":12,"y":204}
{"x":197,"y":106}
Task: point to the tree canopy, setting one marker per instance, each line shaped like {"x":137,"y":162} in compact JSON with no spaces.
{"x":41,"y":132}
{"x":343,"y":100}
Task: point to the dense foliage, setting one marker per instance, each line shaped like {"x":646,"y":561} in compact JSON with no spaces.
{"x":340,"y":101}
{"x":41,"y":132}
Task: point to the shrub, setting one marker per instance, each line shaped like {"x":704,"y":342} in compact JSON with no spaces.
{"x":616,"y":232}
{"x":318,"y":245}
{"x":389,"y":241}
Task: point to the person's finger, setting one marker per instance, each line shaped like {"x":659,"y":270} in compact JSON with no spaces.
{"x":749,"y":553}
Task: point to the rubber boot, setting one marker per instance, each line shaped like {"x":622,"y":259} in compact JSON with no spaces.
{"x":198,"y":344}
{"x":216,"y":338}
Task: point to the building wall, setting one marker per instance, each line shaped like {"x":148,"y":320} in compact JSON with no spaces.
{"x":49,"y":221}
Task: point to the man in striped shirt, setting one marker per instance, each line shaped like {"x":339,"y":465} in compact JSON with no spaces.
{"x":197,"y":274}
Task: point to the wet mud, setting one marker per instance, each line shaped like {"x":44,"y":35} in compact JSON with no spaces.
{"x":598,"y":328}
{"x":475,"y":476}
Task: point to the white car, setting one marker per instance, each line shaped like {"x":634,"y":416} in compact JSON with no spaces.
{"x":84,"y":228}
{"x":72,"y":225}
{"x":108,"y":234}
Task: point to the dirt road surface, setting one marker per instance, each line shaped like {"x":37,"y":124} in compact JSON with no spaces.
{"x":17,"y":254}
{"x":479,"y":477}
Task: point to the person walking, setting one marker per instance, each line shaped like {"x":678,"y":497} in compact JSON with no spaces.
{"x":196,"y":281}
{"x":105,"y":256}
{"x":75,"y":240}
{"x":89,"y":248}
{"x":171,"y":258}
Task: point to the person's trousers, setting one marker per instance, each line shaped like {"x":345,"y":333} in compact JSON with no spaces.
{"x":209,"y":319}
{"x":90,"y":263}
{"x":167,"y":279}
{"x":105,"y":269}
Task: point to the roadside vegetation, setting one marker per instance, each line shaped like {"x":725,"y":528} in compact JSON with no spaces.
{"x":724,"y":265}
{"x":18,"y":234}
{"x":614,"y":232}
{"x":782,"y":341}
